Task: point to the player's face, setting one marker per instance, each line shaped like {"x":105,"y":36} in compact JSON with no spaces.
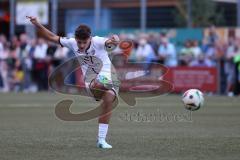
{"x":83,"y":44}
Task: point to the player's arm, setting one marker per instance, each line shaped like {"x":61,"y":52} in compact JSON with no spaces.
{"x":43,"y":31}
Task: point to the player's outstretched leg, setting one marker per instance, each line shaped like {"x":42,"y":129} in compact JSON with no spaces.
{"x":108,"y":99}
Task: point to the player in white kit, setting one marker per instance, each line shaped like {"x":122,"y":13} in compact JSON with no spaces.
{"x":84,"y":44}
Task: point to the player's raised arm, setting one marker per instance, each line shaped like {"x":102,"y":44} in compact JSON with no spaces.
{"x":43,"y":31}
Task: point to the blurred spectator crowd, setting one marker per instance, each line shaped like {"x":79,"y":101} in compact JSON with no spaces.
{"x":26,"y":63}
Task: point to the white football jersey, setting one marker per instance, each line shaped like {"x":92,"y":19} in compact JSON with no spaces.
{"x":96,"y":49}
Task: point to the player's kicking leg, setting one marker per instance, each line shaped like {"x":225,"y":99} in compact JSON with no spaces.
{"x":108,"y":97}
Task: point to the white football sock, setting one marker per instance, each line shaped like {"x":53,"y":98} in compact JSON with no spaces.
{"x":102,"y":131}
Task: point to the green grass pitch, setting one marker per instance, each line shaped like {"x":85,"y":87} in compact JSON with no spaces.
{"x":156,"y":128}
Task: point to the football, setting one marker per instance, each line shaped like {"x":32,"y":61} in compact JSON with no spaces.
{"x":193,"y":99}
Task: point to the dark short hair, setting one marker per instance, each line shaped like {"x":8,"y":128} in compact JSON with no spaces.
{"x":82,"y":32}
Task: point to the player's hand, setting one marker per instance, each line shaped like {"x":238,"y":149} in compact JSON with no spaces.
{"x":114,"y":38}
{"x":33,"y":20}
{"x":112,"y":43}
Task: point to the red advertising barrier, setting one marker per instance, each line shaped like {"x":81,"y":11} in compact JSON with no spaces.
{"x":183,"y":78}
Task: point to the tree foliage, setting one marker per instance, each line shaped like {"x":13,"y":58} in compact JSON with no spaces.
{"x":203,"y":13}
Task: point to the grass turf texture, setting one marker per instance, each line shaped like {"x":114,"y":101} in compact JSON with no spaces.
{"x":156,"y":128}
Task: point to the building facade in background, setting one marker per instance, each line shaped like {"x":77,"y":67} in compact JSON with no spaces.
{"x":115,"y":14}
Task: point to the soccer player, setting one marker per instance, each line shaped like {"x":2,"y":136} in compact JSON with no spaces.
{"x":85,"y":44}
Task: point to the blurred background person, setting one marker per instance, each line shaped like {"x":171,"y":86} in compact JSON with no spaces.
{"x":200,"y":61}
{"x":236,"y":60}
{"x":146,"y":54}
{"x":4,"y":53}
{"x":17,"y":77}
{"x":212,"y":42}
{"x":1,"y":53}
{"x":229,"y":66}
{"x":41,"y":64}
{"x":167,"y":52}
{"x":196,"y":49}
{"x":186,"y":54}
{"x":144,"y":51}
{"x":26,"y":61}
